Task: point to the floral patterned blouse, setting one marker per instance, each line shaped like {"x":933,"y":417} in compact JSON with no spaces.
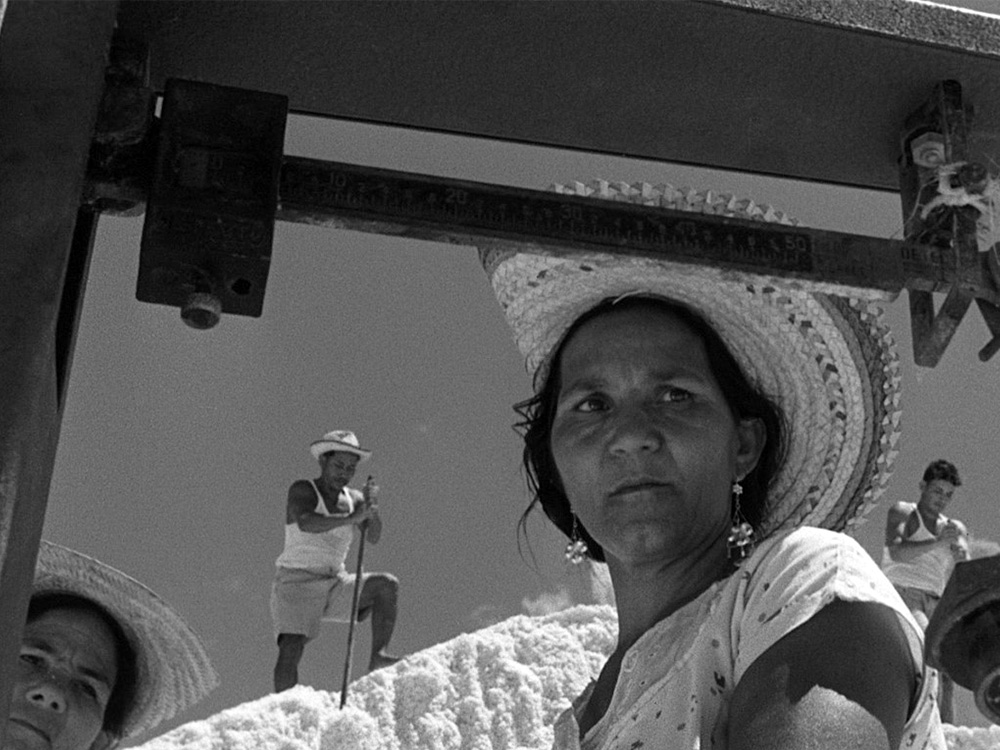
{"x":676,"y":681}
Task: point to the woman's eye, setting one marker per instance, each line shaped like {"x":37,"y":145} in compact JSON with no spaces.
{"x":675,"y":395}
{"x":591,"y":404}
{"x":88,"y":689}
{"x":34,"y":659}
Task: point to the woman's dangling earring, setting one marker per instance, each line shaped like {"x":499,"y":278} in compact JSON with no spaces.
{"x":576,"y":550}
{"x":740,"y":541}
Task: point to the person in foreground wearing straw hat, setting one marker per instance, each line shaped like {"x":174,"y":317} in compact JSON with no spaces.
{"x":922,"y":546}
{"x":103,"y":658}
{"x":311,"y":581}
{"x":707,"y":436}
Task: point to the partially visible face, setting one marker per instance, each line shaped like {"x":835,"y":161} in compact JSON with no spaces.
{"x":644,"y":441}
{"x":67,"y":669}
{"x":936,"y":494}
{"x":338,"y":468}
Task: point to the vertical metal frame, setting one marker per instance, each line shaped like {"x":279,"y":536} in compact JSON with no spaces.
{"x":52,"y":61}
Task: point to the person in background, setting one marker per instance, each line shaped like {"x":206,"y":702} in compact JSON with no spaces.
{"x":103,"y":659}
{"x":707,"y":435}
{"x":922,"y":546}
{"x":311,"y":581}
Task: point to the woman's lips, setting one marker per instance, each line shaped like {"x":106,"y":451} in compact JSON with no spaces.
{"x":37,"y":730}
{"x":633,"y":486}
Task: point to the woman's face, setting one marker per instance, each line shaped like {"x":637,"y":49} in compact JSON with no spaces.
{"x":67,"y":669}
{"x":646,"y":446}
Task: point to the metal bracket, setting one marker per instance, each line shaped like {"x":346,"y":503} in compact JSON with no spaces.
{"x":122,"y":150}
{"x":206,"y":241}
{"x":943,"y":197}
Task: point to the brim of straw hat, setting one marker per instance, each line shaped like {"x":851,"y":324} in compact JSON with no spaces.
{"x":829,"y":362}
{"x":319,"y":447}
{"x":173,"y":668}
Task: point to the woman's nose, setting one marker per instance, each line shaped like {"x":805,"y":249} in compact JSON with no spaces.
{"x":48,"y":695}
{"x":635,"y":432}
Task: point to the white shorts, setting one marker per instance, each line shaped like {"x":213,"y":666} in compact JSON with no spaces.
{"x":301,"y":598}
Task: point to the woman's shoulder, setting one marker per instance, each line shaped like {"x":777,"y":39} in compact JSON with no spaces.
{"x":794,"y":575}
{"x":808,"y":557}
{"x":804,"y":541}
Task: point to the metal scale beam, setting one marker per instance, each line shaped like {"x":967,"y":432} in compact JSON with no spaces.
{"x":220,"y":181}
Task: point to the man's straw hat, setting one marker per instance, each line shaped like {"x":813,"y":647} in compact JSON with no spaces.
{"x":829,"y":362}
{"x":342,"y":441}
{"x":173,"y":669}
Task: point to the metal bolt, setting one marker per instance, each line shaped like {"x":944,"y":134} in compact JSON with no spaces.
{"x":973,"y":177}
{"x":928,"y":150}
{"x":201,"y":310}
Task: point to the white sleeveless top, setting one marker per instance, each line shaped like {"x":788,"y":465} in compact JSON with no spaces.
{"x":327,"y":549}
{"x":929,"y":569}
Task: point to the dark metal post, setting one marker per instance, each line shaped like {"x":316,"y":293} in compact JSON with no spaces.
{"x":52,"y":60}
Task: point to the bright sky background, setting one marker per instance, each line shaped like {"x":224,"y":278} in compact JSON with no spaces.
{"x":178,"y":446}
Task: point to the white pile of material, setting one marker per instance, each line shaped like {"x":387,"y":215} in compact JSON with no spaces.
{"x":499,"y":688}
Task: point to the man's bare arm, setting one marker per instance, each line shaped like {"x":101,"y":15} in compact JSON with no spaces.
{"x":895,"y":525}
{"x":301,"y":511}
{"x":957,"y":537}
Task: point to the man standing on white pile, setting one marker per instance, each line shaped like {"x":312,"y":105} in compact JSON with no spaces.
{"x":922,"y":546}
{"x":311,"y":582}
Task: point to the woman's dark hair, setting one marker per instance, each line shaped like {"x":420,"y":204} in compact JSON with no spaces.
{"x":122,"y":696}
{"x":538,"y":412}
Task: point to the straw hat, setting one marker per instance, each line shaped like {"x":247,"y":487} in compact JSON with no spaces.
{"x":173,"y":669}
{"x":829,"y":362}
{"x":343,"y":441}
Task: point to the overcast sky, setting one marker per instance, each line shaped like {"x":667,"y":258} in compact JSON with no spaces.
{"x":178,"y":445}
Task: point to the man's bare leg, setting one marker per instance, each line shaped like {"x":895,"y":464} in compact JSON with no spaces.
{"x":286,"y":669}
{"x":379,"y":597}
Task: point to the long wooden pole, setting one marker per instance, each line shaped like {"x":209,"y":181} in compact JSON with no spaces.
{"x":358,"y":582}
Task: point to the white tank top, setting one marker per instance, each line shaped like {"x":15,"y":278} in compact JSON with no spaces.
{"x":929,"y":570}
{"x":327,"y":549}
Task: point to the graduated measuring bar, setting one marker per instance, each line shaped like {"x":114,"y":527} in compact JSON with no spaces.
{"x":480,"y":214}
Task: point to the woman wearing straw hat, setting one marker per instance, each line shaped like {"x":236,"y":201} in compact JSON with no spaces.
{"x":102,"y":658}
{"x":706,"y":436}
